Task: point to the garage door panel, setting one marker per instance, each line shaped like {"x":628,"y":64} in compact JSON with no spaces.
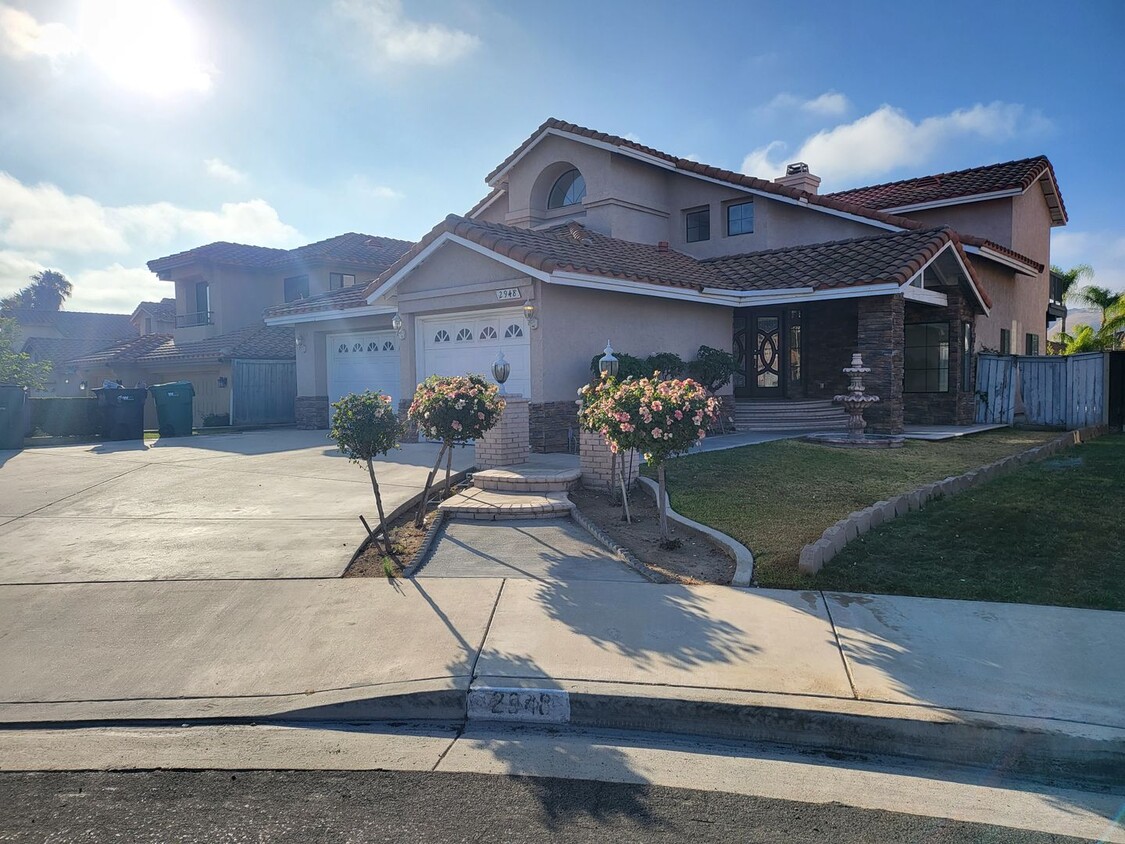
{"x":360,"y":361}
{"x":457,"y":344}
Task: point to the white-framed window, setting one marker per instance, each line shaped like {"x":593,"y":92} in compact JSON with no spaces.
{"x":487,"y":333}
{"x":513,"y":330}
{"x":388,"y":346}
{"x":569,"y":189}
{"x":336,"y":281}
{"x":464,"y":335}
{"x":442,"y":336}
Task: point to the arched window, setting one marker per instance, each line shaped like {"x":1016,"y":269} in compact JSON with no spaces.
{"x":487,"y":333}
{"x":569,"y":189}
{"x":388,"y":346}
{"x":513,"y":330}
{"x":343,"y":350}
{"x":358,"y":347}
{"x":372,"y":347}
{"x":464,"y":334}
{"x":442,"y":336}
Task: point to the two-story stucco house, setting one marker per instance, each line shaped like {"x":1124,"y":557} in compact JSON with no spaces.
{"x":212,"y":332}
{"x":587,"y":237}
{"x":59,"y":336}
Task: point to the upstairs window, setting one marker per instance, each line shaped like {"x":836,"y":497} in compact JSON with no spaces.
{"x":698,"y":225}
{"x":339,"y":280}
{"x":569,"y":189}
{"x":296,"y":288}
{"x":740,"y":218}
{"x":1005,"y":341}
{"x":1031,"y":344}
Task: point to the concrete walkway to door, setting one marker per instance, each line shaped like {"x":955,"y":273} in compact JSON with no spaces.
{"x":266,"y":504}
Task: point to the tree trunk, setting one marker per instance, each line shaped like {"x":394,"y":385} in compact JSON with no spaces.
{"x":383,"y":527}
{"x":624,"y":491}
{"x":420,"y":518}
{"x":662,"y":506}
{"x":448,"y":469}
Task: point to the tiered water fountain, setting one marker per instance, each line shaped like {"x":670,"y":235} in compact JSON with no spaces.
{"x":855,"y":402}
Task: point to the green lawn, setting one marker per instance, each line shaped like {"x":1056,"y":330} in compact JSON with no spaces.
{"x":776,"y":497}
{"x":1050,"y":533}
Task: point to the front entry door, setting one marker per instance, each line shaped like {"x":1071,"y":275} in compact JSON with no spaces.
{"x":767,"y":345}
{"x":765,"y":370}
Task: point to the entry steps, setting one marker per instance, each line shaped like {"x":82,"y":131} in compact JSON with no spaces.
{"x":778,"y":415}
{"x":526,"y":491}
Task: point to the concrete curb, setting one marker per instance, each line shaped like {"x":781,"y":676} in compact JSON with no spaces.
{"x":835,"y":537}
{"x":743,"y":557}
{"x":619,"y":551}
{"x":423,"y":554}
{"x":401,"y":509}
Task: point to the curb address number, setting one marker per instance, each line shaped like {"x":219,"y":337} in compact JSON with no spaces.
{"x":536,"y":705}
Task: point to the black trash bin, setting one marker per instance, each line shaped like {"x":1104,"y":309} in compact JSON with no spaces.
{"x":173,"y":407}
{"x":13,"y":415}
{"x":122,"y":412}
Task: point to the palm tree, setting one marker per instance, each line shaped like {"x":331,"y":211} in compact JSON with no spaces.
{"x":1069,"y":279}
{"x":47,"y":292}
{"x":1112,"y":306}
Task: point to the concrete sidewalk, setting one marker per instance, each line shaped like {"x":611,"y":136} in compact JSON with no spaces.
{"x":1029,"y":688}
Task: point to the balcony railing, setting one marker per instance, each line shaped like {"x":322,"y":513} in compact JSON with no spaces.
{"x":198,"y":318}
{"x":1056,"y":293}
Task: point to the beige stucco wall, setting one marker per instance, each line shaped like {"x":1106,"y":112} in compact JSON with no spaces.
{"x":575,"y":324}
{"x":991,"y":219}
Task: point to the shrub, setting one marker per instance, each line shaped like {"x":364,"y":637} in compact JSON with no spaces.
{"x":216,"y":420}
{"x":713,"y":368}
{"x":58,"y":416}
{"x":453,"y":409}
{"x":365,"y":426}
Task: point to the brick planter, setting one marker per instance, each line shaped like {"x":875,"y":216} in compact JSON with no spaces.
{"x":507,"y":444}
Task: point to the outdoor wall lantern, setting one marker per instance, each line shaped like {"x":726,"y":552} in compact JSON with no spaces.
{"x":529,"y":313}
{"x":500,"y":371}
{"x":222,"y":380}
{"x":301,"y":343}
{"x":82,"y":386}
{"x":609,"y":364}
{"x":396,"y":324}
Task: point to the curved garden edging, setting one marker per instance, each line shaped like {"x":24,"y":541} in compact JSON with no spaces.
{"x":743,"y":556}
{"x":620,"y":551}
{"x":835,"y":538}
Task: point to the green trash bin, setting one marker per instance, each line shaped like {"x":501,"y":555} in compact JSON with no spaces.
{"x":14,"y":418}
{"x":123,"y":413}
{"x":174,"y":408}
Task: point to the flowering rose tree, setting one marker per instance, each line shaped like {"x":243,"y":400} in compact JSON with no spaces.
{"x":453,"y":409}
{"x":658,"y":418}
{"x":365,"y":426}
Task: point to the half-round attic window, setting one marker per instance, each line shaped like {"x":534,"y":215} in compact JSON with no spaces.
{"x":569,"y":189}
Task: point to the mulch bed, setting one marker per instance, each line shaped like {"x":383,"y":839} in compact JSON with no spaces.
{"x":695,"y":561}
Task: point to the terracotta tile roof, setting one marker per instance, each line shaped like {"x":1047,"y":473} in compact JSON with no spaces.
{"x":126,"y":351}
{"x":891,"y":257}
{"x":351,"y":248}
{"x":75,"y":324}
{"x":492,"y":194}
{"x":261,"y":342}
{"x":163,"y":311}
{"x":354,"y":296}
{"x":835,"y":202}
{"x":59,"y":350}
{"x":990,"y":178}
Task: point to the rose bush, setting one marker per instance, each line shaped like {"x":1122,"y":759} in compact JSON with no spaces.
{"x":453,"y":409}
{"x":657,"y":418}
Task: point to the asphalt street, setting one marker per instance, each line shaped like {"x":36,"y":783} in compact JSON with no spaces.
{"x":355,"y":806}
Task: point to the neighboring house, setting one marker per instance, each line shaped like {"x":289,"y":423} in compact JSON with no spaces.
{"x":59,"y":336}
{"x":212,"y":332}
{"x":587,"y":237}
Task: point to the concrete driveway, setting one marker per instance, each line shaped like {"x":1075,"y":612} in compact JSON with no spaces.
{"x":264,"y":504}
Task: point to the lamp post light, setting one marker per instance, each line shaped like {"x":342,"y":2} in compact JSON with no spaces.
{"x":396,"y":324}
{"x":609,"y":364}
{"x":500,"y":371}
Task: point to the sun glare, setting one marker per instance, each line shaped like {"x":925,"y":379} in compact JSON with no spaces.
{"x":147,"y":45}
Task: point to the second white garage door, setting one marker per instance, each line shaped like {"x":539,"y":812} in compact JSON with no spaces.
{"x":364,"y":360}
{"x":456,"y":344}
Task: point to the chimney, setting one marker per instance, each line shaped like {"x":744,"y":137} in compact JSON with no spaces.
{"x":662,"y":246}
{"x":797,"y":176}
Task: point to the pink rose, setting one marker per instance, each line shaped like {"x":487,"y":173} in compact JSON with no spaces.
{"x":679,"y":415}
{"x":657,"y":433}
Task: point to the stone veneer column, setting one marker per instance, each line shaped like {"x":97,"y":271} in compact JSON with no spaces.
{"x":507,"y":444}
{"x":311,"y":412}
{"x":597,"y":462}
{"x":880,"y":341}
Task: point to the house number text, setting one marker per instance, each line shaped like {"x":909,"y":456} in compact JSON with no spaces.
{"x":542,"y":705}
{"x":508,"y":293}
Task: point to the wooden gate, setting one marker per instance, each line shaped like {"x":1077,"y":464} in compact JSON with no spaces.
{"x":1116,"y":389}
{"x":1064,"y":391}
{"x":263,"y":392}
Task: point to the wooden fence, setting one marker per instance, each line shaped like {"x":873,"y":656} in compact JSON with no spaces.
{"x":1053,"y":391}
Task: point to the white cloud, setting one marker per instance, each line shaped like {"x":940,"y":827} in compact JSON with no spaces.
{"x":880,"y":142}
{"x":224,"y":172}
{"x":828,"y":104}
{"x":1104,"y":251}
{"x":116,"y":289}
{"x":22,"y":37}
{"x":364,"y":187}
{"x":397,"y":40}
{"x":43,"y":217}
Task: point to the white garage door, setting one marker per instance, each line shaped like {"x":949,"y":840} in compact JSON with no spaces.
{"x":363,"y":360}
{"x":459,"y":343}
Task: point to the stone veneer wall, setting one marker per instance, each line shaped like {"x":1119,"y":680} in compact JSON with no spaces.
{"x":549,"y":423}
{"x":879,"y":331}
{"x":956,"y":406}
{"x":830,"y":339}
{"x":506,"y":444}
{"x":312,"y":412}
{"x":597,"y":463}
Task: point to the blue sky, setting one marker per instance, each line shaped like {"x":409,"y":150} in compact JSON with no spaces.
{"x":136,"y":128}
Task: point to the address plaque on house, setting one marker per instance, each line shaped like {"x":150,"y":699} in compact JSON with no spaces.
{"x":508,"y":293}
